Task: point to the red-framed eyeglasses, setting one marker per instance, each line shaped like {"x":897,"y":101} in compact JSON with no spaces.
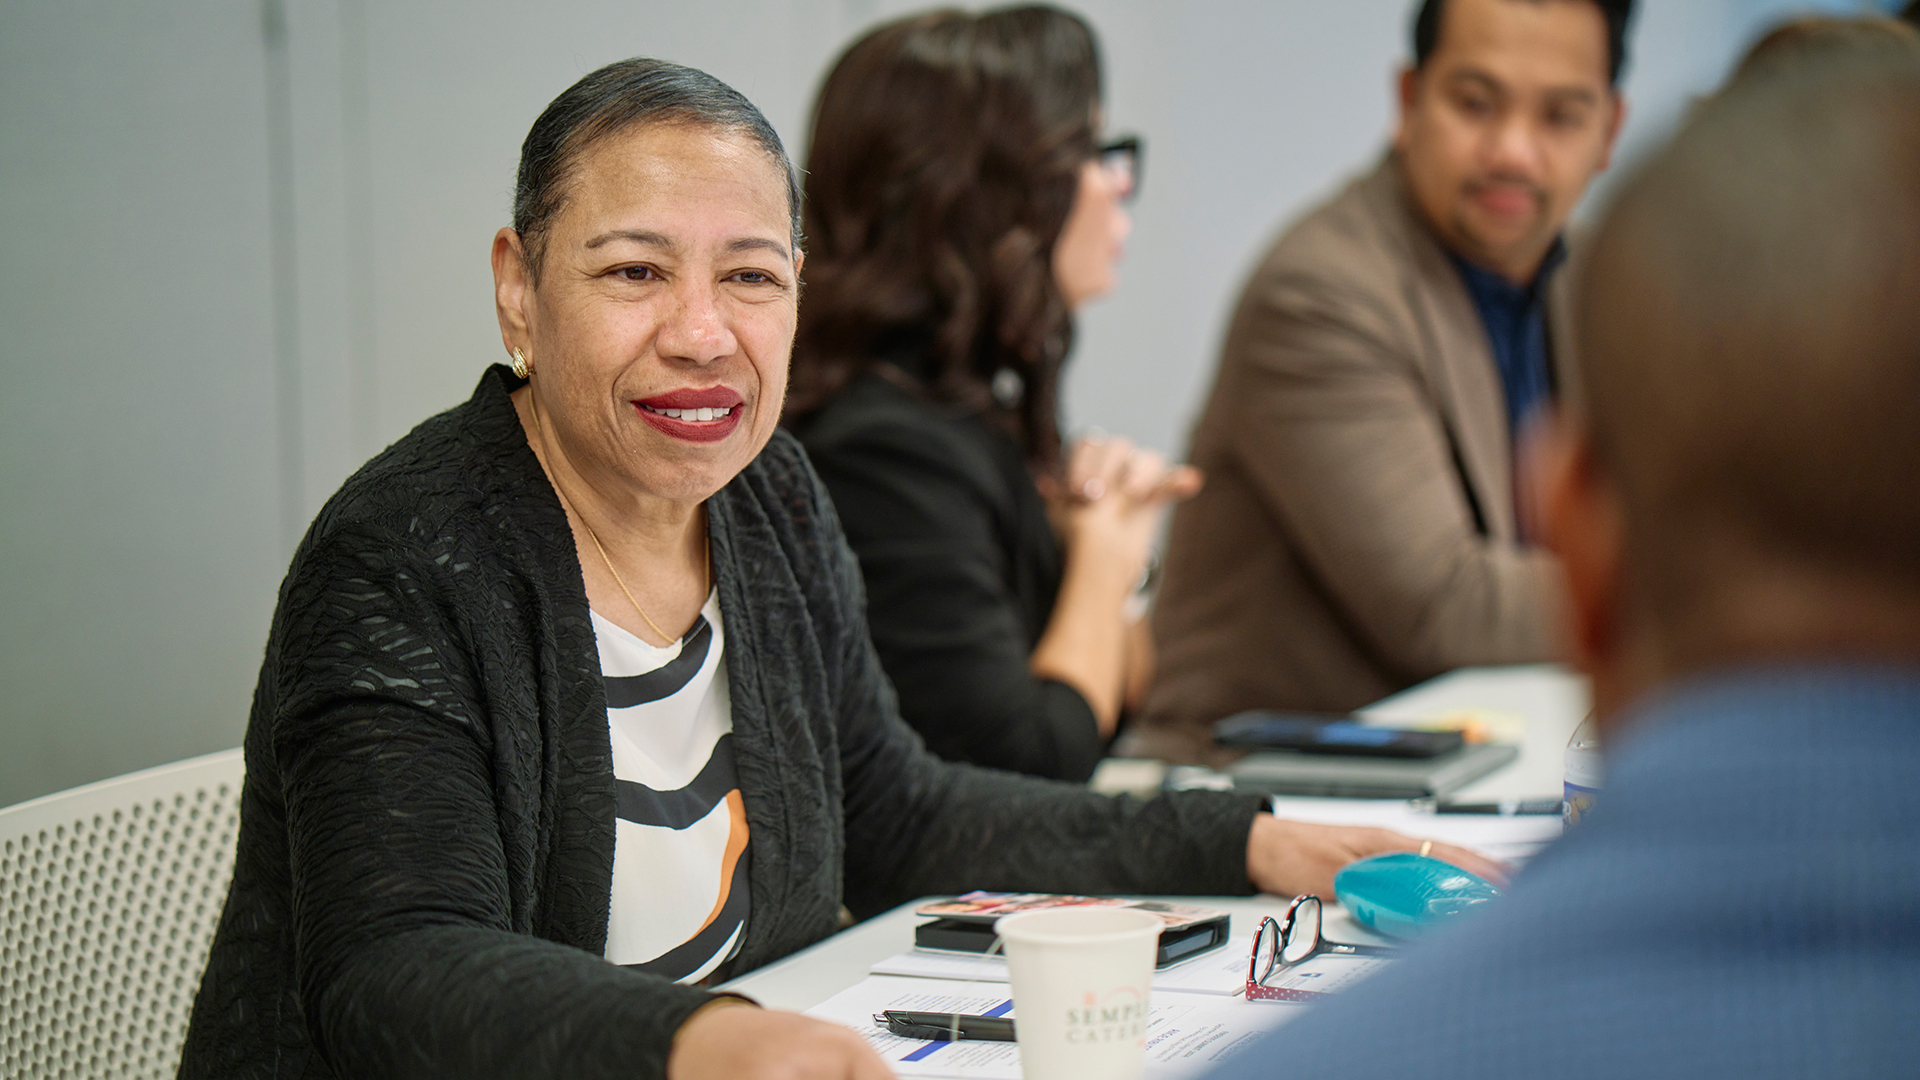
{"x":1290,"y":940}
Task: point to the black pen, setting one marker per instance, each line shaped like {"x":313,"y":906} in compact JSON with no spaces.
{"x":945,"y":1026}
{"x":1505,"y":807}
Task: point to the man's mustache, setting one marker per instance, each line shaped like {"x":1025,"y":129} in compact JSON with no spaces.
{"x":1488,"y":183}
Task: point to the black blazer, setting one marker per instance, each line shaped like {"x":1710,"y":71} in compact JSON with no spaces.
{"x":962,"y":568}
{"x":426,"y":836}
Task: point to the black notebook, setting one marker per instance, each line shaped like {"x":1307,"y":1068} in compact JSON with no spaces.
{"x":1280,"y":772}
{"x":966,"y":922}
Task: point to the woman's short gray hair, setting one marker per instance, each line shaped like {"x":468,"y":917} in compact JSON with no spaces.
{"x":611,"y":100}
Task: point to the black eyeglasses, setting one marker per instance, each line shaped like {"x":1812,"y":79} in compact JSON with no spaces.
{"x":1291,"y":940}
{"x":1122,"y":159}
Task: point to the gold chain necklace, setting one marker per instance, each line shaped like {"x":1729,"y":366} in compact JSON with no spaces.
{"x":706,"y":580}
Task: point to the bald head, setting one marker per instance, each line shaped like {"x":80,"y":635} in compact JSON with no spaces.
{"x":1812,"y":37}
{"x":1749,"y":323}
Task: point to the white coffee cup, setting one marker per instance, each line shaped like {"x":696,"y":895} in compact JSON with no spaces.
{"x":1081,"y":978}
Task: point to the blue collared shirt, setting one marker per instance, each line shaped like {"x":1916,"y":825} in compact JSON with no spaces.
{"x":1516,"y":321}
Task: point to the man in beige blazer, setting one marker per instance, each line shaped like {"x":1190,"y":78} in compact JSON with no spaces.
{"x":1360,"y":528}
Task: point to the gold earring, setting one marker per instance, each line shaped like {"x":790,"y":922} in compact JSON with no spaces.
{"x":521,"y":368}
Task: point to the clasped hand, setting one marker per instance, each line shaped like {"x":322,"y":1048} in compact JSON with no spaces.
{"x":1110,"y":498}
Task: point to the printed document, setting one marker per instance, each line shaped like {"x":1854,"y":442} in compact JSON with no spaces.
{"x":1187,"y":1034}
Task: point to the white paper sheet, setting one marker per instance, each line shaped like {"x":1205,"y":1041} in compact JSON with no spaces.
{"x":1187,"y":1034}
{"x":1513,"y":839}
{"x":1325,"y":974}
{"x":1222,"y":970}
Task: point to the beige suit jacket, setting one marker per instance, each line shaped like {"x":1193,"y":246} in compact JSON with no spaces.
{"x":1357,"y":531}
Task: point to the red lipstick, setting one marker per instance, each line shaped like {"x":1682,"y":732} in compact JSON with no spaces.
{"x":693,"y":415}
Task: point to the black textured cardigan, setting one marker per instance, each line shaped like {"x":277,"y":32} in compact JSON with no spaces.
{"x":426,"y":837}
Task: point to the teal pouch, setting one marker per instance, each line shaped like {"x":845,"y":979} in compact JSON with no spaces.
{"x":1402,"y":894}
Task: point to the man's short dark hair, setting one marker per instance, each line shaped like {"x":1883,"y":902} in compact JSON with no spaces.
{"x":1799,"y":40}
{"x":1426,"y":32}
{"x":1748,"y":323}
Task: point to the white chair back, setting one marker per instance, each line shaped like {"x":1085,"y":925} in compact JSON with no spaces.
{"x":109,"y":895}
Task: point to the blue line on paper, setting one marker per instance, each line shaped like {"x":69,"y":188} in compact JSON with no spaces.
{"x":924,"y":1051}
{"x":1001,"y":1009}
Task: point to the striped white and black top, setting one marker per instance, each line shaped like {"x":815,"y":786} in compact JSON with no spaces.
{"x":679,"y":906}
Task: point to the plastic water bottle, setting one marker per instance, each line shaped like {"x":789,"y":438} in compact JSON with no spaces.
{"x":1583,"y":771}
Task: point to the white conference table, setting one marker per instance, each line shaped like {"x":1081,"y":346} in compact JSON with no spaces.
{"x":1545,"y":701}
{"x":816,"y":973}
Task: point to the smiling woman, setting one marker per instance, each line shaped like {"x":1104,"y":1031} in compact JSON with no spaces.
{"x":569,"y":708}
{"x":654,"y":317}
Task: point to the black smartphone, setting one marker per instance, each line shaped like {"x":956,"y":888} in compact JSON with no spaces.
{"x":1312,"y":733}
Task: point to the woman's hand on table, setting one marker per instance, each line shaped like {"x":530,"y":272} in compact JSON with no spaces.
{"x":749,"y":1043}
{"x":1293,"y":858}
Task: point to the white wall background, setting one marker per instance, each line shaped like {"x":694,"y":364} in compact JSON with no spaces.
{"x":245,"y":246}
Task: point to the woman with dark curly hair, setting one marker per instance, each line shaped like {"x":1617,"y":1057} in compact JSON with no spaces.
{"x":959,"y":207}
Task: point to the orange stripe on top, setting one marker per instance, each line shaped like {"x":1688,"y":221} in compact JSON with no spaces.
{"x":736,"y":843}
